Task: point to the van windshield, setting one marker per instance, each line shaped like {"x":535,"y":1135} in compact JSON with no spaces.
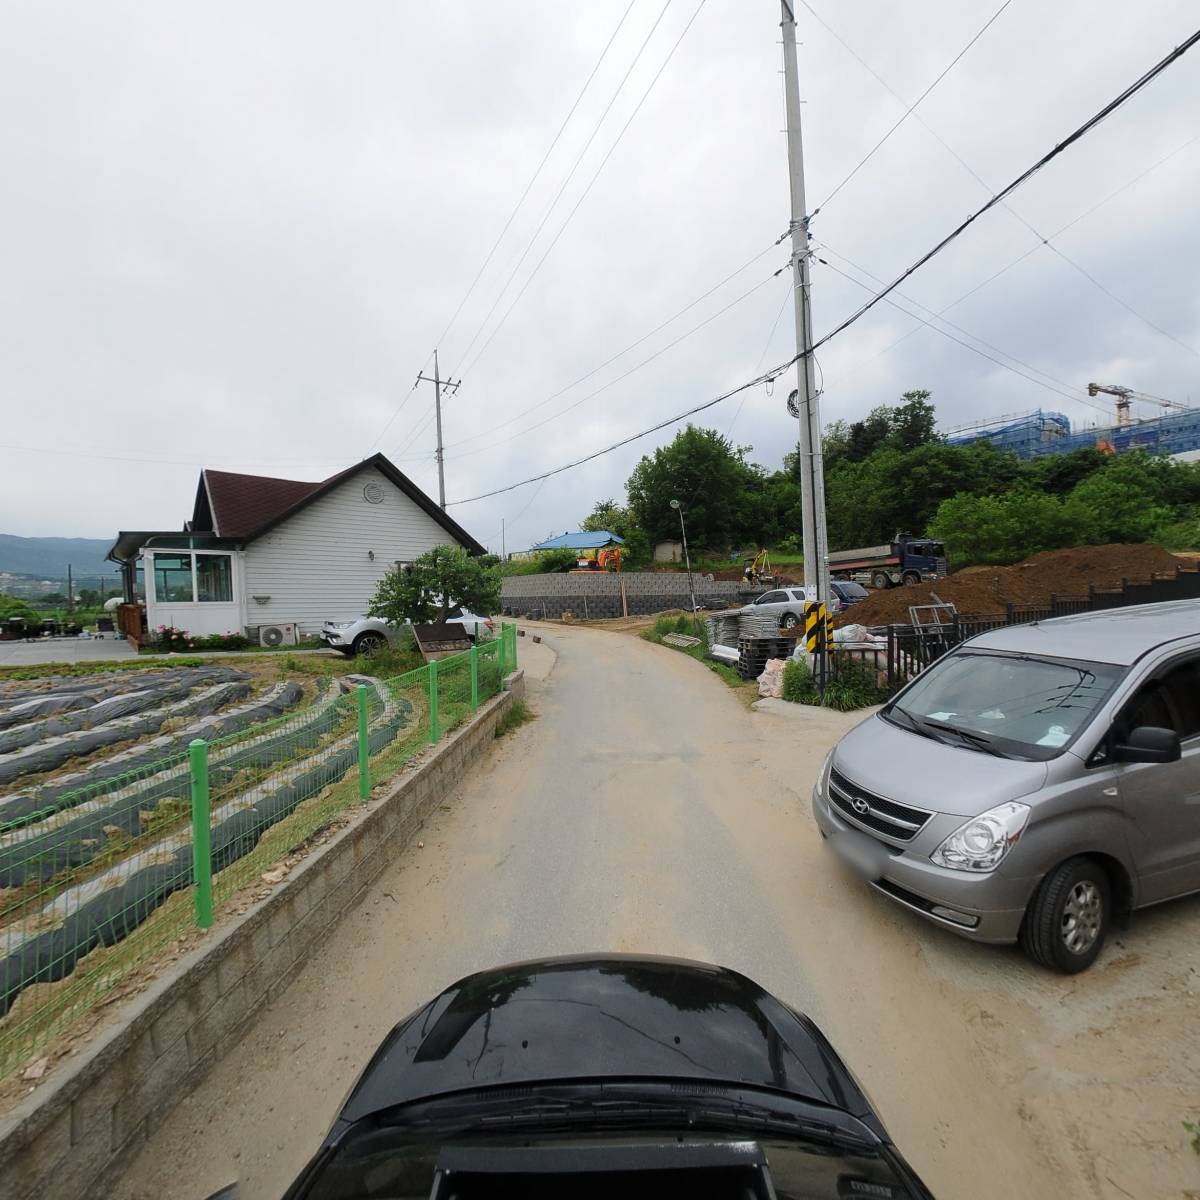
{"x":1013,"y":705}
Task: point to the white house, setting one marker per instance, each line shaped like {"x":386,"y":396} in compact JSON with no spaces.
{"x":266,"y":552}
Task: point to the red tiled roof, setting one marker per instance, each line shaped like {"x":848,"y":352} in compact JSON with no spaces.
{"x":242,"y":504}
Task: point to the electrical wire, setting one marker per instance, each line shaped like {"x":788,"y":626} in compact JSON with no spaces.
{"x":537,"y":172}
{"x":1034,"y":249}
{"x":558,"y":195}
{"x":912,"y":107}
{"x":881,"y":295}
{"x":633,"y":437}
{"x":962,"y":162}
{"x":1080,"y":132}
{"x":396,"y":411}
{"x":766,"y":346}
{"x":620,"y":353}
{"x":584,"y":195}
{"x":624,"y":375}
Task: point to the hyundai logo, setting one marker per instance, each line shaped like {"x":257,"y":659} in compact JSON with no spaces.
{"x":860,"y":806}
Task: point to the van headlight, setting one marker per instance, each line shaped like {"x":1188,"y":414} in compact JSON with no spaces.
{"x":982,"y":843}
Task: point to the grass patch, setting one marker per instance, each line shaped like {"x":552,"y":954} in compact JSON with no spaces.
{"x":517,"y":713}
{"x":693,"y":628}
{"x":382,"y":664}
{"x":851,"y":688}
{"x":43,"y":670}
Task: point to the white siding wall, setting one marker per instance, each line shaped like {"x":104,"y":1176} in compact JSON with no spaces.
{"x":315,"y":566}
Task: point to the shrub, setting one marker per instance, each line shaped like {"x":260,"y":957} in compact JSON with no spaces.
{"x":852,"y":687}
{"x":798,"y":686}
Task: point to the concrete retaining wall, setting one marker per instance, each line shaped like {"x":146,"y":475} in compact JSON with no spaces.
{"x":598,"y":594}
{"x":78,"y":1129}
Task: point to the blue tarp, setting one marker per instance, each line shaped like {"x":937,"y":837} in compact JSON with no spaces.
{"x":582,"y":541}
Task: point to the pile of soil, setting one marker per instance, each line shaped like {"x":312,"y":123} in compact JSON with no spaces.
{"x":986,"y":591}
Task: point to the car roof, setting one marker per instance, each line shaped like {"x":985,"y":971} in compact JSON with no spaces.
{"x":1115,"y":635}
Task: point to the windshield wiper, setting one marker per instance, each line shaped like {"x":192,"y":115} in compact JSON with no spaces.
{"x":978,"y":741}
{"x":916,"y":724}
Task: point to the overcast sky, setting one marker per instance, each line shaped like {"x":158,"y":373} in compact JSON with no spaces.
{"x":231,"y":235}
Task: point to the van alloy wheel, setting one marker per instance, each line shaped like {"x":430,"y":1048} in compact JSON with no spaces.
{"x":1083,"y":914}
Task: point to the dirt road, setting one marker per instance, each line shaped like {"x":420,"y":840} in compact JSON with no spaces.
{"x":647,"y":810}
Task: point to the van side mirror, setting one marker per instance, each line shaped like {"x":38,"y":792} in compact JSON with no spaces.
{"x":1149,"y":744}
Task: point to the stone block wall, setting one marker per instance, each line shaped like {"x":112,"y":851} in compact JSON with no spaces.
{"x":588,"y":596}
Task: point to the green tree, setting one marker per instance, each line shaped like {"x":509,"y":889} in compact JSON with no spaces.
{"x":710,"y":477}
{"x":609,"y":516}
{"x":1119,"y":504}
{"x":1000,"y":529}
{"x":914,"y":422}
{"x":425,"y":590}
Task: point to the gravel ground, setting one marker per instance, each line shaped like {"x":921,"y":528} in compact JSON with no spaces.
{"x":647,"y":810}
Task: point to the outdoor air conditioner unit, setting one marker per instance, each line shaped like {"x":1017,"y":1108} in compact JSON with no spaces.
{"x":282,"y":634}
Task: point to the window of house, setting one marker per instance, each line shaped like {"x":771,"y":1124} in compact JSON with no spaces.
{"x":186,"y":577}
{"x":173,"y":578}
{"x":214,"y":578}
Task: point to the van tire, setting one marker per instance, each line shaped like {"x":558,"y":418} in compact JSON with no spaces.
{"x":1053,"y":916}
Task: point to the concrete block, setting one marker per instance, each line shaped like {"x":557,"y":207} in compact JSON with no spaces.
{"x":232,"y":968}
{"x":279,"y":926}
{"x":207,"y":1033}
{"x":29,"y":1170}
{"x":170,"y":1027}
{"x":156,"y":1088}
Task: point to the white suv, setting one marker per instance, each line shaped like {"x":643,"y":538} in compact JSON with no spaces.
{"x":368,"y":634}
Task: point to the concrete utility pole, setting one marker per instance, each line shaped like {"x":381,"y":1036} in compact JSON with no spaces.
{"x":449,"y":387}
{"x":812,"y":466}
{"x":503,"y":543}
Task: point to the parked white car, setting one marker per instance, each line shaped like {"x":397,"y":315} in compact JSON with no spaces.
{"x":371,"y":633}
{"x":787,"y":604}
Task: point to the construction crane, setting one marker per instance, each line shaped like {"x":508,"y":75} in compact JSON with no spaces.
{"x":1125,"y":398}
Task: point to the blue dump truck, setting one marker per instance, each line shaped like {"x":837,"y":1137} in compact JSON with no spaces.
{"x":903,"y":560}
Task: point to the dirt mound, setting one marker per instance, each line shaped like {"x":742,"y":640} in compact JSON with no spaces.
{"x":986,"y":591}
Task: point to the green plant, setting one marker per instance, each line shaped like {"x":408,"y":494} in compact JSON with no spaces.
{"x":424,"y":590}
{"x":798,"y":686}
{"x":1193,"y":1128}
{"x":517,"y":713}
{"x":852,"y":686}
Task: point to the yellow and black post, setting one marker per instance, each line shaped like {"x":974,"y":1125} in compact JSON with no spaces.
{"x":818,"y":637}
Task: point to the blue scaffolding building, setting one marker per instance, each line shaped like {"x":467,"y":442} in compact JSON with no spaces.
{"x":1032,"y":434}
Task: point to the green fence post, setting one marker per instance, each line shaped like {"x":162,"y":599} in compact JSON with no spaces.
{"x":433,"y":701}
{"x":474,"y":677}
{"x":364,"y":746}
{"x":201,"y":834}
{"x":500,"y":652}
{"x":512,"y":643}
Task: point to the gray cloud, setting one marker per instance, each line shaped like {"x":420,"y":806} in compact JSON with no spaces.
{"x":231,"y":235}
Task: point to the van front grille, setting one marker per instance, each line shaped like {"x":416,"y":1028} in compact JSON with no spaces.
{"x":900,"y":822}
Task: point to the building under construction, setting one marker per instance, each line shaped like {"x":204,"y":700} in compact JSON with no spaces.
{"x":1031,"y":434}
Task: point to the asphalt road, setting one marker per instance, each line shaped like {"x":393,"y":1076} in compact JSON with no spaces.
{"x":647,"y":809}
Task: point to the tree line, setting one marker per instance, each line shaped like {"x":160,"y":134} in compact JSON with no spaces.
{"x":892,"y":472}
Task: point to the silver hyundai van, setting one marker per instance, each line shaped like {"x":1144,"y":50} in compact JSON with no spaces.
{"x":1034,"y":783}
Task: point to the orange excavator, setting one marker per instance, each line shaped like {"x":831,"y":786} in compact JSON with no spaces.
{"x":609,"y":558}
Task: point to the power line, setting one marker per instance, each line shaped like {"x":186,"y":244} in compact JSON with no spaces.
{"x":911,"y":108}
{"x":621,"y":353}
{"x":584,"y":195}
{"x":533,"y":178}
{"x":863,"y":309}
{"x":396,"y":411}
{"x":633,"y":437}
{"x":562,"y":188}
{"x":966,"y":166}
{"x":787,"y":295}
{"x":1024,"y":177}
{"x":1058,"y":391}
{"x":625,"y":374}
{"x":1034,"y":249}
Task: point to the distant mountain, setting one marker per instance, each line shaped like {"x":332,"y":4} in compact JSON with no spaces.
{"x":48,"y":557}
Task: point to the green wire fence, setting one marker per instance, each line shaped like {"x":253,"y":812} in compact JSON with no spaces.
{"x":97,"y":883}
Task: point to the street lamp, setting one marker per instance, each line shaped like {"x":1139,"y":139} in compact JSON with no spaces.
{"x":687,"y":559}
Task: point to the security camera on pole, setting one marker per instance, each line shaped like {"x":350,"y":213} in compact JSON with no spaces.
{"x":812,"y":468}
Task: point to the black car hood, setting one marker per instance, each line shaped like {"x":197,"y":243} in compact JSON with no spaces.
{"x":597,"y":1018}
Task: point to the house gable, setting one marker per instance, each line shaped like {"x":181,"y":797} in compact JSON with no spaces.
{"x":325,"y":560}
